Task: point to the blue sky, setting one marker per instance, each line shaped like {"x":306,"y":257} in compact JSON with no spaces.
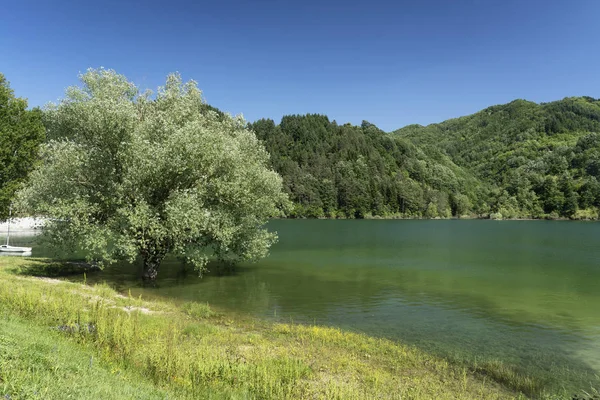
{"x":391,"y":63}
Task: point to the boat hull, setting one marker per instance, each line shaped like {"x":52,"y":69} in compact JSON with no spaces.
{"x":13,"y":249}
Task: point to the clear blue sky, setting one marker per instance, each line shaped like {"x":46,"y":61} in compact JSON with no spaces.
{"x":392,"y":63}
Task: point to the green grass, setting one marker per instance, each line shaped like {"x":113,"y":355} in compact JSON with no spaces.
{"x":38,"y":363}
{"x":197,"y":310}
{"x":51,"y":329}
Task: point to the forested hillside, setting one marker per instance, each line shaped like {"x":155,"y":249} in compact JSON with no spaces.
{"x":332,"y":170}
{"x":541,"y":160}
{"x":518,"y":160}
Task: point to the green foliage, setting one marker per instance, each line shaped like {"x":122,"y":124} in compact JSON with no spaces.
{"x":197,"y":310}
{"x":125,"y":174}
{"x":345,"y":171}
{"x":21,"y":133}
{"x":538,"y":160}
{"x":518,"y":160}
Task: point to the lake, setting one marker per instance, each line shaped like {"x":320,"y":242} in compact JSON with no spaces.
{"x":526,"y":293}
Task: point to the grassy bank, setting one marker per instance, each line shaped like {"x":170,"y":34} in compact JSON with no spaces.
{"x":56,"y":335}
{"x":38,"y":363}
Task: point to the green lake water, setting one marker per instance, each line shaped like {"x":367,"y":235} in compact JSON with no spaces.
{"x":526,"y":293}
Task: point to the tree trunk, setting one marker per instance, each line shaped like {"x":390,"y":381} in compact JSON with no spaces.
{"x":152,"y":261}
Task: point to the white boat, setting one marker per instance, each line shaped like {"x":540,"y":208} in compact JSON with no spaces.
{"x":12,"y":249}
{"x":6,"y":248}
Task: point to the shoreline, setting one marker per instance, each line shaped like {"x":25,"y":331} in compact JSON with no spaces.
{"x":36,"y":225}
{"x":443,"y":219}
{"x":324,"y":362}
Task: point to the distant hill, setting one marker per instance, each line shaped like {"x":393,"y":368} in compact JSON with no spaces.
{"x":538,"y":160}
{"x":347,"y":171}
{"x":517,"y":160}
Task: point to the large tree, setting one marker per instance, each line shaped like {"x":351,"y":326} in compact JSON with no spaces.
{"x":126,"y":174}
{"x":21,"y":132}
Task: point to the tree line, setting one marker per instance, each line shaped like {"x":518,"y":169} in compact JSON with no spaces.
{"x":345,"y":171}
{"x":21,"y":133}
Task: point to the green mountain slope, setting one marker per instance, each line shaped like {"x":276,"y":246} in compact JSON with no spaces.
{"x":539,"y":160}
{"x":347,"y":171}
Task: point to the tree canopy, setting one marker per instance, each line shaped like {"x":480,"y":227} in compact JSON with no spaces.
{"x":346,"y":171}
{"x":21,"y":133}
{"x":539,"y":160}
{"x":517,"y":160}
{"x":127,"y":174}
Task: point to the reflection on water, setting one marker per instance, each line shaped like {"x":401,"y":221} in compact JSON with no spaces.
{"x":522,"y":292}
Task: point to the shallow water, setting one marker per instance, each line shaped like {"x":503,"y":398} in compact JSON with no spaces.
{"x":526,"y":293}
